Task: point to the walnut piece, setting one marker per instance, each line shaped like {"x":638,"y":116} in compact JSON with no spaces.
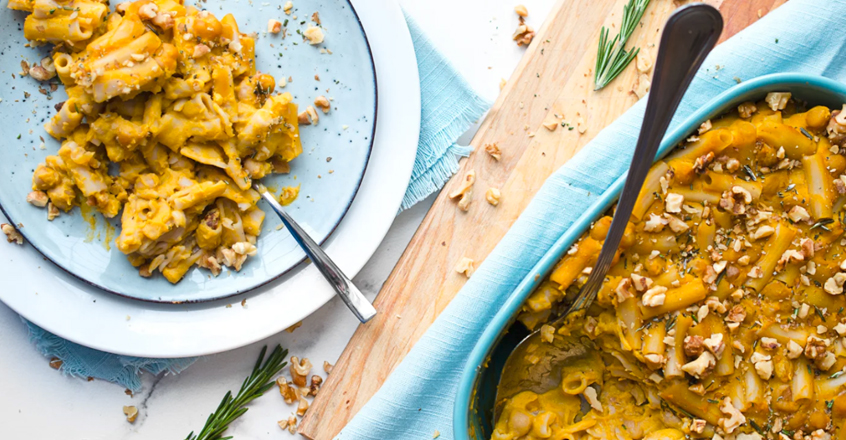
{"x":734,"y":418}
{"x":521,"y":11}
{"x":746,"y":109}
{"x":12,"y":234}
{"x":494,"y":151}
{"x":694,"y":345}
{"x":316,"y":381}
{"x":300,"y":370}
{"x":327,"y":367}
{"x":466,"y":266}
{"x":654,"y":297}
{"x":289,"y":393}
{"x":274,"y":26}
{"x":131,"y":413}
{"x":523,"y":35}
{"x":322,"y":103}
{"x":492,"y":196}
{"x":777,"y":100}
{"x":314,"y":35}
{"x":701,"y":366}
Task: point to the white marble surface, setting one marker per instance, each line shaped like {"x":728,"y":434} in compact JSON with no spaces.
{"x":38,"y":403}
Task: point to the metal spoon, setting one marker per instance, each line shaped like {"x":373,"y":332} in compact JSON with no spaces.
{"x":690,"y":33}
{"x":352,"y":297}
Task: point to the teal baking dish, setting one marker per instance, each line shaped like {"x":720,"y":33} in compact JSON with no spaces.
{"x":477,"y":386}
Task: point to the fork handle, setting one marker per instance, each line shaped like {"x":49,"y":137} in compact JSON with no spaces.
{"x":690,"y":33}
{"x":349,"y":293}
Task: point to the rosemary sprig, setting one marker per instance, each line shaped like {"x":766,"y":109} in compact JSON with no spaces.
{"x":612,"y":57}
{"x":256,"y":384}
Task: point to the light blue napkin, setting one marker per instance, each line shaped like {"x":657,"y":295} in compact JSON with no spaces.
{"x":417,"y":399}
{"x":449,"y":107}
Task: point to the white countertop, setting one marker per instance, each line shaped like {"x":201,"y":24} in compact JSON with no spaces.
{"x":36,"y":402}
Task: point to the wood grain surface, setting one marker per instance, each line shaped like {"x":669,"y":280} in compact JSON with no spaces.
{"x":553,"y":82}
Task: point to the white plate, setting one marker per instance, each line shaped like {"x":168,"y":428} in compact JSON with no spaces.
{"x":61,"y":304}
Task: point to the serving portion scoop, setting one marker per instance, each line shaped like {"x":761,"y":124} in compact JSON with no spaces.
{"x":690,"y":33}
{"x":344,"y":287}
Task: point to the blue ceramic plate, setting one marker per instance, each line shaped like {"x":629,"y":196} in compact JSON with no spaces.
{"x":472,"y":419}
{"x":335,"y":152}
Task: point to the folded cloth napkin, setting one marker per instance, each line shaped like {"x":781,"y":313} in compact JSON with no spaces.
{"x":417,"y":399}
{"x":449,"y":107}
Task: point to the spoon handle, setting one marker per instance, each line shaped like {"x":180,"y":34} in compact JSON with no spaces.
{"x":352,"y":297}
{"x":690,"y":33}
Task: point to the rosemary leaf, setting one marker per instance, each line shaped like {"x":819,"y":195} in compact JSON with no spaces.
{"x":256,"y":384}
{"x":612,"y":56}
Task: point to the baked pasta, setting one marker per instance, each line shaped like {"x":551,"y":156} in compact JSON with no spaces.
{"x":723,"y":315}
{"x":167,"y":97}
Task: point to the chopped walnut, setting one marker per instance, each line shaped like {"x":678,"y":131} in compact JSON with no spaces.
{"x":643,"y":62}
{"x":494,"y":151}
{"x":702,"y":162}
{"x":676,"y":224}
{"x":694,"y":345}
{"x":623,"y":290}
{"x":673,"y":203}
{"x":291,"y":423}
{"x":294,"y":327}
{"x":715,"y":344}
{"x":289,"y":6}
{"x":654,"y":297}
{"x":327,"y":367}
{"x":798,"y":214}
{"x":746,"y":109}
{"x":763,"y":231}
{"x":464,"y":191}
{"x":52,"y":211}
{"x":314,"y":35}
{"x":815,"y":348}
{"x":322,"y":103}
{"x":698,"y":426}
{"x":793,"y":350}
{"x":523,"y":35}
{"x":764,"y":367}
{"x":289,"y":393}
{"x":700,"y":367}
{"x":200,"y":51}
{"x":316,"y":381}
{"x":131,"y":413}
{"x":777,"y":100}
{"x":641,"y":283}
{"x":705,"y":127}
{"x":466,"y":266}
{"x":300,"y":370}
{"x":769,"y":343}
{"x":210,"y":262}
{"x":492,"y":196}
{"x":274,"y":26}
{"x":302,"y":406}
{"x":37,"y":198}
{"x":148,"y":11}
{"x":836,"y":127}
{"x":163,"y":20}
{"x":308,"y":117}
{"x":734,"y":418}
{"x":40,"y":73}
{"x":642,"y":85}
{"x":655,"y":223}
{"x":735,"y":200}
{"x":12,"y":234}
{"x":521,"y":11}
{"x":834,"y":285}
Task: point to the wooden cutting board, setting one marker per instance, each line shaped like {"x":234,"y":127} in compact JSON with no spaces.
{"x":555,"y":77}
